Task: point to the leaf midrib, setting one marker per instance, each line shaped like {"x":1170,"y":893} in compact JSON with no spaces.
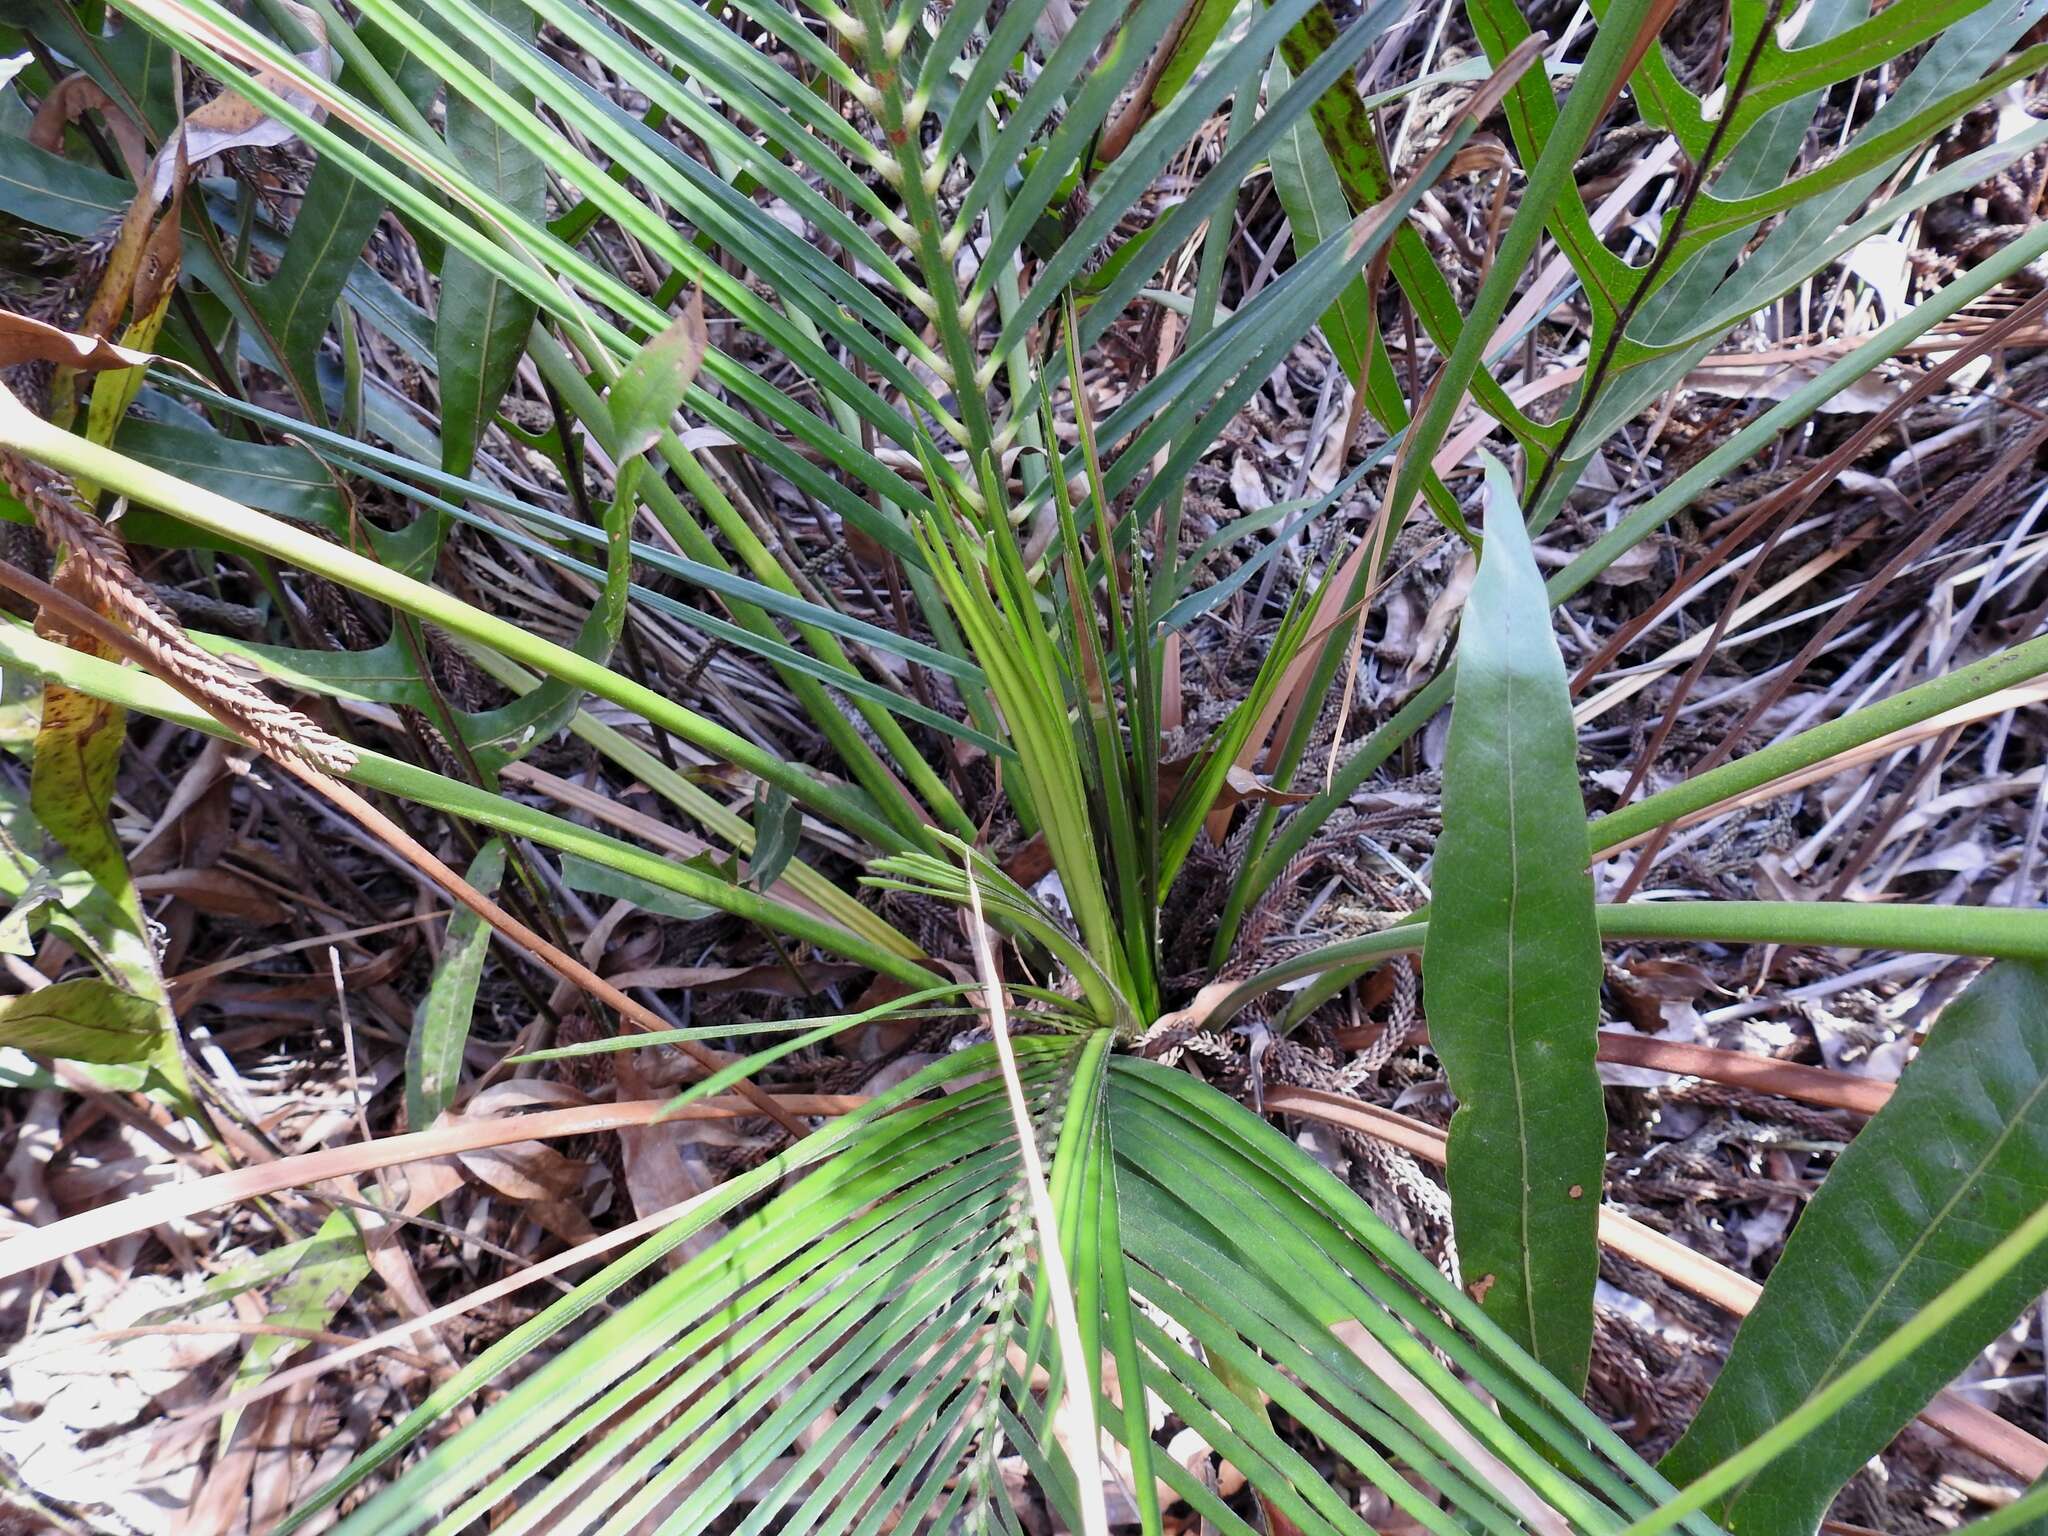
{"x":1920,"y":1241}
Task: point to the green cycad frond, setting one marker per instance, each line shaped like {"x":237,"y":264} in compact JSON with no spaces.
{"x":864,"y":1347}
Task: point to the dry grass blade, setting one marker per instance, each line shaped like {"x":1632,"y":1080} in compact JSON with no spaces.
{"x":173,"y":1202}
{"x":1085,"y":1443}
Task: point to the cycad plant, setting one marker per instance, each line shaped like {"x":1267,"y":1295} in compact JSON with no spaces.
{"x":762,"y":258}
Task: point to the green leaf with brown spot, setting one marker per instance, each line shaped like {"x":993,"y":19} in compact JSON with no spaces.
{"x":1511,"y":967}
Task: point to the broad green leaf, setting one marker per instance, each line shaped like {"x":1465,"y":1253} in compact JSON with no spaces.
{"x":42,"y":189}
{"x":480,"y":327}
{"x":440,"y":1025}
{"x":335,"y":221}
{"x":38,"y":893}
{"x":336,"y":218}
{"x":250,"y":1273}
{"x":1952,"y":1164}
{"x":1511,"y":967}
{"x":277,"y":477}
{"x":83,"y":1020}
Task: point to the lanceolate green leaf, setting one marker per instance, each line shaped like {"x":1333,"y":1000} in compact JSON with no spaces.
{"x":1511,"y":968}
{"x":440,"y":1026}
{"x":1952,"y":1164}
{"x":83,"y":1020}
{"x":71,"y":787}
{"x":650,"y":388}
{"x":480,"y":327}
{"x":335,"y":221}
{"x":331,"y":1265}
{"x":1683,"y":492}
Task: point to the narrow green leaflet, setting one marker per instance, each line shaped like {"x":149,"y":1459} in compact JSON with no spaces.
{"x":1951,"y":1165}
{"x":596,"y":879}
{"x":1511,"y":967}
{"x":337,"y":219}
{"x":440,"y":1026}
{"x":1313,"y":199}
{"x":480,"y":327}
{"x":334,"y":223}
{"x":83,"y":1020}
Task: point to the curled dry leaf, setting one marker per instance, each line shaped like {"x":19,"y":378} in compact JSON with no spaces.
{"x":27,"y":340}
{"x":1779,"y":376}
{"x":68,"y":101}
{"x":232,"y":121}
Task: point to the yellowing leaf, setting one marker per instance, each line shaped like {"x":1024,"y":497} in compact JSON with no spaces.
{"x":71,"y":783}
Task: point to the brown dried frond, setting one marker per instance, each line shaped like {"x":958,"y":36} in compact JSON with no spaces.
{"x":96,"y":564}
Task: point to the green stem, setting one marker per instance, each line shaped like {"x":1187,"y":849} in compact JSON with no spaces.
{"x":886,"y":98}
{"x":136,"y":690}
{"x":26,"y":433}
{"x":1909,"y":708}
{"x":2002,"y":933}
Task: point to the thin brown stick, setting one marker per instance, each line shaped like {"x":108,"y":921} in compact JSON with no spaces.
{"x":1992,"y":478}
{"x":1737,"y":1069}
{"x":175,"y":1202}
